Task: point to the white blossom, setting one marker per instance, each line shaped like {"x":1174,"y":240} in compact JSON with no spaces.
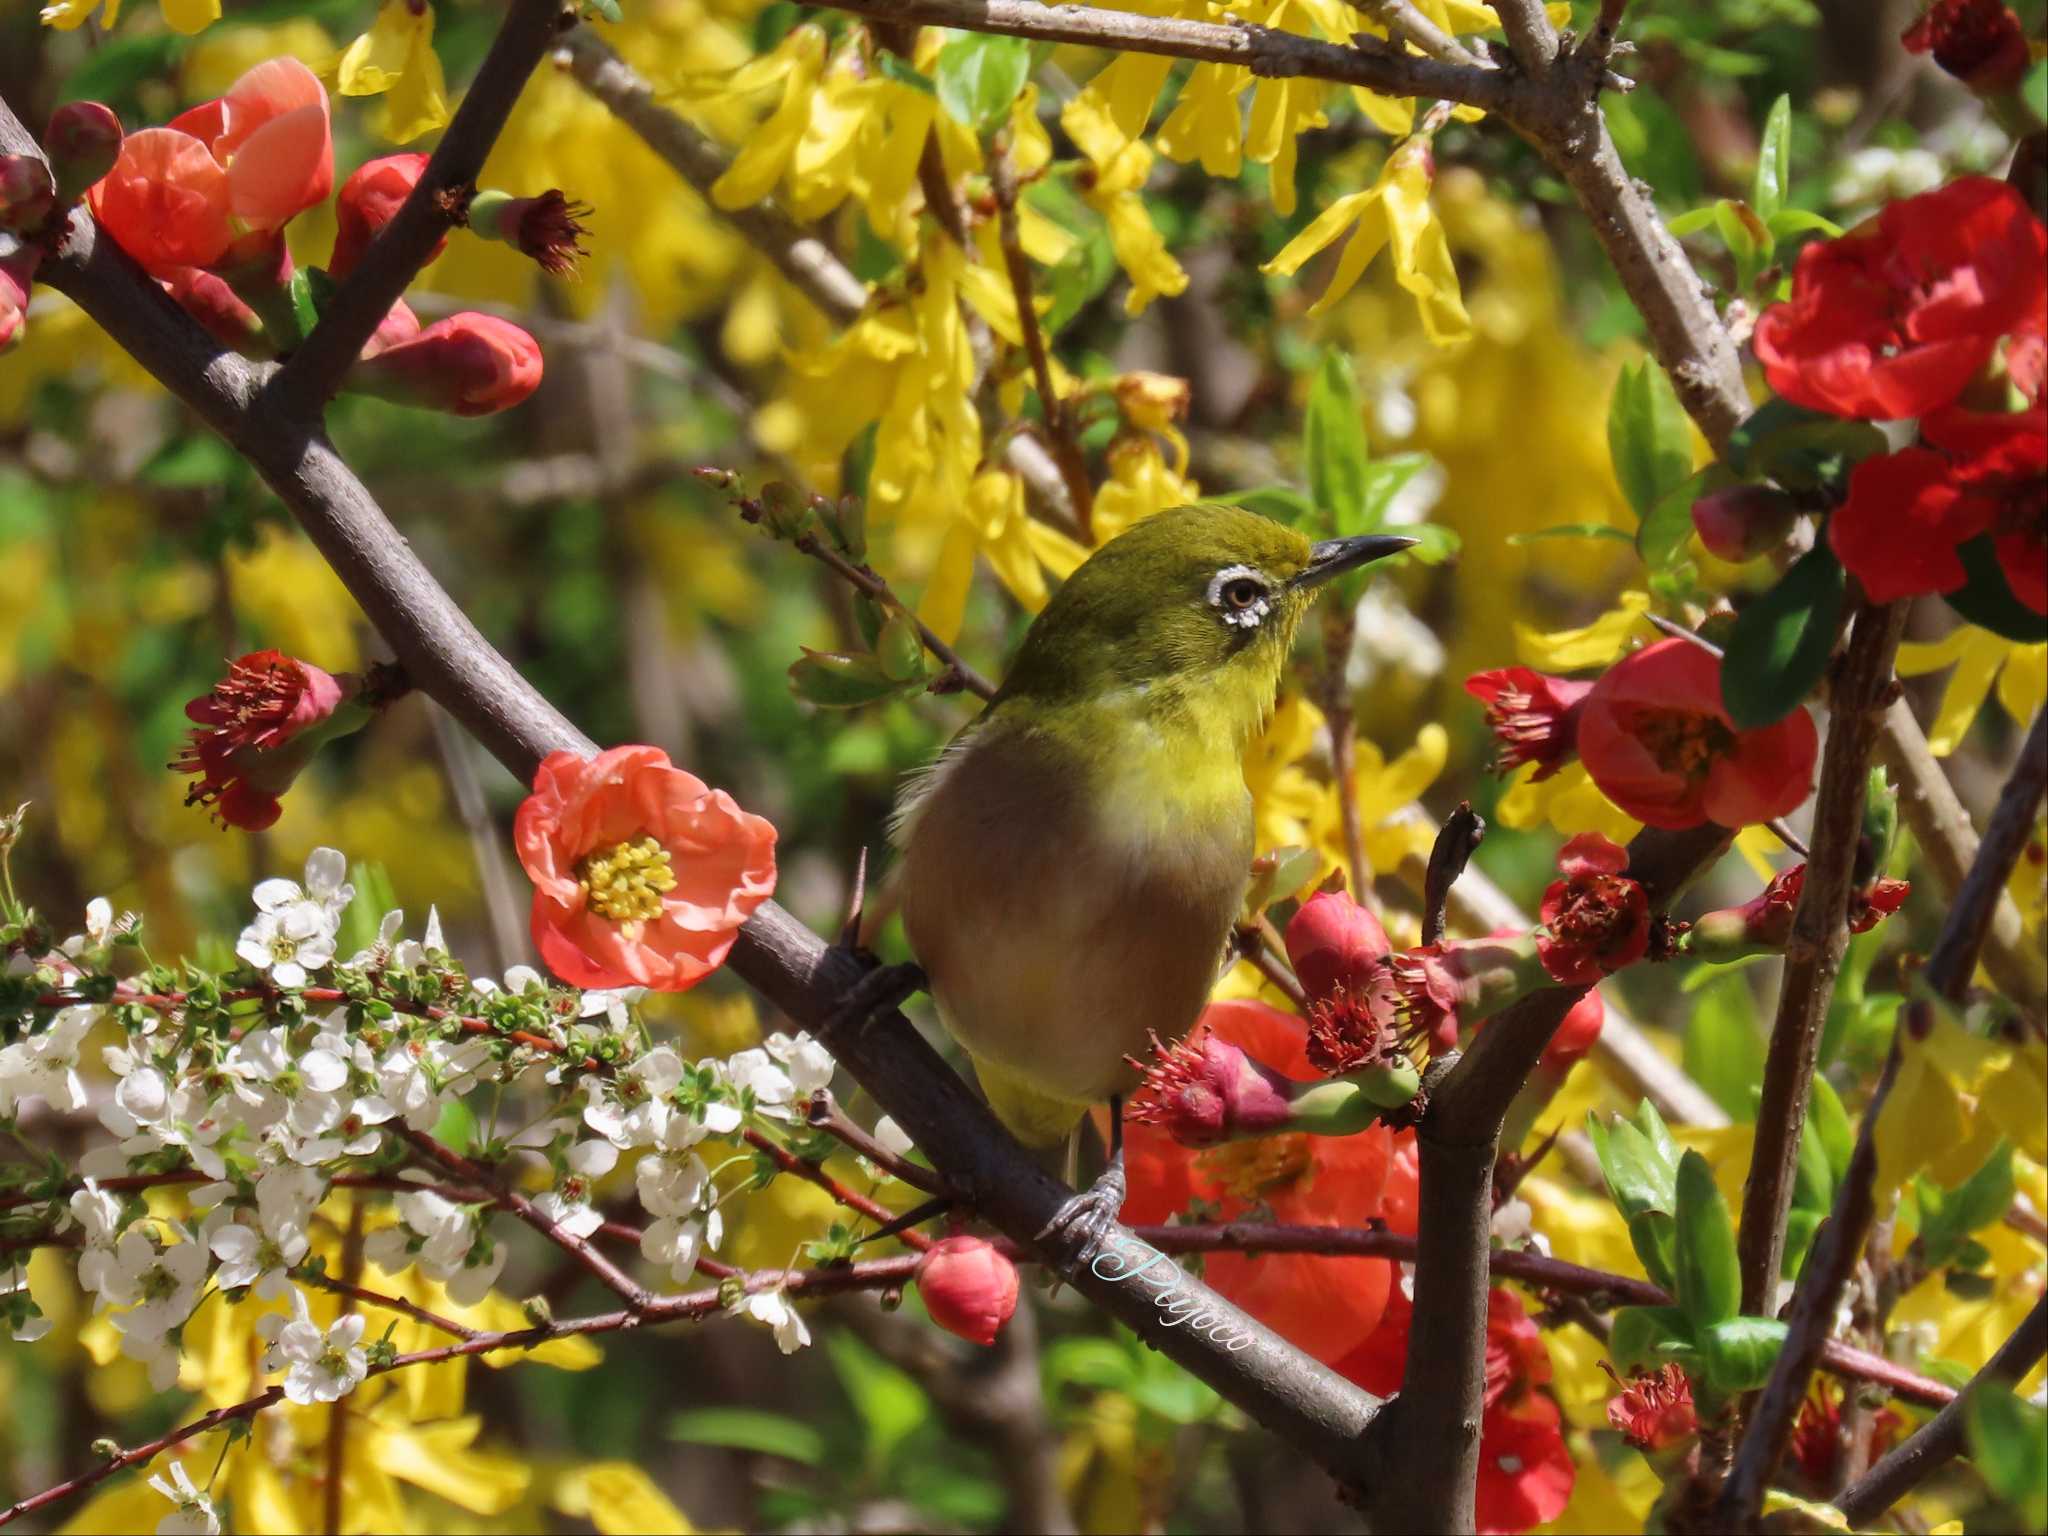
{"x":47,"y":1063}
{"x":632,"y":1109}
{"x":262,"y":1254}
{"x":611,"y":1004}
{"x":808,"y":1063}
{"x":288,"y":944}
{"x":448,"y":1241}
{"x":772,"y":1309}
{"x":755,"y":1069}
{"x":568,"y":1205}
{"x":194,"y":1514}
{"x":671,"y":1183}
{"x":319,"y":1367}
{"x":680,"y":1244}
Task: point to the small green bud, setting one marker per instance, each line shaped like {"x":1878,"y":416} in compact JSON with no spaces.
{"x":784,"y":510}
{"x":835,"y":680}
{"x":900,"y":648}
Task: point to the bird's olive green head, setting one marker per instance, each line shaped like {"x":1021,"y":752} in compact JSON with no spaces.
{"x":1200,"y":600}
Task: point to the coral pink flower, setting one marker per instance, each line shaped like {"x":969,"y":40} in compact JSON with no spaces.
{"x":368,"y":200}
{"x":1658,"y":742}
{"x":1325,"y":1306}
{"x":1525,"y":1468}
{"x":1533,"y":716}
{"x":1895,"y":317}
{"x":209,"y":300}
{"x":642,"y":874}
{"x":1332,"y":941}
{"x":1908,"y":512}
{"x":467,"y":365}
{"x":180,"y":196}
{"x":968,"y":1286}
{"x":1595,"y":920}
{"x":256,"y":730}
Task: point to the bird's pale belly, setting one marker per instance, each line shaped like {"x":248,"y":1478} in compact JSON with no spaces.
{"x":1059,"y":940}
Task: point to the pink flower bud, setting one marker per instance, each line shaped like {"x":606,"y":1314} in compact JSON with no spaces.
{"x":1206,"y":1090}
{"x":369,"y":200}
{"x":17,"y":271}
{"x":209,"y":300}
{"x":1763,"y":924}
{"x":398,"y":325}
{"x":1533,"y":716}
{"x":546,"y":227}
{"x":83,"y":142}
{"x":1743,"y":521}
{"x":1332,"y":942}
{"x":968,"y":1287}
{"x":27,"y":194}
{"x":256,"y":730}
{"x":468,"y":364}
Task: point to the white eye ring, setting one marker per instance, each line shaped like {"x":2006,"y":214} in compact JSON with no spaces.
{"x":1242,"y":615}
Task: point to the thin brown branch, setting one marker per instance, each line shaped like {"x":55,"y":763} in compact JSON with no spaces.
{"x":385,"y":1302}
{"x":1972,"y":915}
{"x":1405,"y":23}
{"x":1260,"y":946}
{"x":394,"y":258}
{"x":824,"y":1113}
{"x":1813,"y":952}
{"x":1841,"y":1239}
{"x":864,"y":579}
{"x":812,"y":1173}
{"x":1940,"y":1440}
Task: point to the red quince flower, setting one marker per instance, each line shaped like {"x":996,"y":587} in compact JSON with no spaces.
{"x":1977,"y":41}
{"x":1205,"y":1090}
{"x":1325,"y":1306}
{"x":218,"y":308}
{"x":1908,"y":512}
{"x":968,"y":1287}
{"x":1440,"y":988}
{"x":642,"y":873}
{"x":1595,"y":920}
{"x":1658,"y":742}
{"x":467,"y":365}
{"x":181,"y":195}
{"x":257,"y":730}
{"x":1896,"y":316}
{"x":1332,"y":941}
{"x":1525,"y":1467}
{"x":1817,"y":1444}
{"x":1653,"y":1410}
{"x":547,"y":228}
{"x":368,"y":200}
{"x":1534,"y":717}
{"x":1764,"y":923}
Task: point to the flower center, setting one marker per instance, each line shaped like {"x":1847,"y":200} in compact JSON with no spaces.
{"x":334,"y":1362}
{"x":625,"y":882}
{"x":1253,"y":1169}
{"x":1681,"y":741}
{"x":283,"y":946}
{"x":158,"y":1284}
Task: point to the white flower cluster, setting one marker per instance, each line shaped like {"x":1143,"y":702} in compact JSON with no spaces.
{"x":268,"y":1082}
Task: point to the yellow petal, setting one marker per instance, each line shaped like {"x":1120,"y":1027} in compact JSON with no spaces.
{"x":438,"y":1458}
{"x":1393,"y":116}
{"x":620,"y":1500}
{"x":1422,"y":256}
{"x":2023,"y":685}
{"x":189,"y":16}
{"x":1322,"y":229}
{"x":944,"y":605}
{"x":1967,"y":688}
{"x":1921,"y":656}
{"x":1595,"y":645}
{"x":768,"y":150}
{"x":1206,"y":123}
{"x":378,"y":59}
{"x":1758,"y":846}
{"x":70,"y":15}
{"x":1030,"y":144}
{"x":418,"y":103}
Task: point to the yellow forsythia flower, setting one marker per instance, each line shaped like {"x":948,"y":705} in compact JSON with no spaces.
{"x":187,"y":16}
{"x":1119,"y":166}
{"x":1980,"y":658}
{"x":1392,"y":213}
{"x":618,"y":1498}
{"x":1597,"y":644}
{"x":396,"y":59}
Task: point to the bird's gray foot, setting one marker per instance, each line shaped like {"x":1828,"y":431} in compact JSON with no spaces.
{"x":883,"y":988}
{"x":1078,"y":1230}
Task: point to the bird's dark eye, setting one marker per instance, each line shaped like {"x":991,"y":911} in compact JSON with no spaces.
{"x":1242,"y":593}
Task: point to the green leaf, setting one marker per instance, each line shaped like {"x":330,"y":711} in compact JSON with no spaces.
{"x":890,"y":1403}
{"x":835,"y":680}
{"x":1830,"y":1122}
{"x":114,"y":69}
{"x":1986,"y":599}
{"x":1748,"y":241}
{"x":2006,"y":1436}
{"x":1434,"y":543}
{"x":749,"y":1429}
{"x":1740,"y":1351}
{"x":978,"y":75}
{"x":1949,"y":1216}
{"x":1572,"y":531}
{"x":1641,"y":1174}
{"x":1787,"y":222}
{"x":1654,"y":1236}
{"x":1774,"y":160}
{"x":1282,"y":503}
{"x":1813,"y":1181}
{"x":1385,"y":479}
{"x":1709,"y":1276}
{"x":1661,"y":540}
{"x":456,"y":1128}
{"x":1780,"y":645}
{"x":1089,"y":1362}
{"x":1334,"y":447}
{"x":1798,"y":448}
{"x":2034,"y":90}
{"x":1692,"y":221}
{"x":1644,"y":1338}
{"x":1648,"y":436}
{"x":1724,"y":1050}
{"x":894,"y":68}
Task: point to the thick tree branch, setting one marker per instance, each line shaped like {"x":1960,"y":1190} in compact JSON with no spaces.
{"x":1813,"y":953}
{"x":1937,"y":1442}
{"x":395,"y":257}
{"x":1840,"y":1240}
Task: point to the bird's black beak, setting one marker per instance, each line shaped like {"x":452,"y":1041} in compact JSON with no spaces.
{"x":1333,"y":557}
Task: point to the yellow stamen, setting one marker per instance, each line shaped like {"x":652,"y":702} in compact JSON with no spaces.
{"x":1253,"y":1169}
{"x":626,"y":881}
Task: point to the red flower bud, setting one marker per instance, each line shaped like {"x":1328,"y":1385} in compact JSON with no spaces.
{"x":209,"y":300}
{"x":368,"y":200}
{"x":1743,"y":521}
{"x":1653,"y":1411}
{"x":547,"y":227}
{"x":83,"y":142}
{"x":1206,"y":1090}
{"x":1658,"y":741}
{"x":1763,"y":924}
{"x":27,"y":194}
{"x":17,"y":271}
{"x":468,"y":364}
{"x":257,"y":729}
{"x":1977,"y":41}
{"x":1534,"y":717}
{"x":1595,"y":920}
{"x":968,"y":1287}
{"x":1332,"y":942}
{"x":1575,"y":1036}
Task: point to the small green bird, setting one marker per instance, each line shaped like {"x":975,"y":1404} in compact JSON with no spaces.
{"x":1074,"y":859}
